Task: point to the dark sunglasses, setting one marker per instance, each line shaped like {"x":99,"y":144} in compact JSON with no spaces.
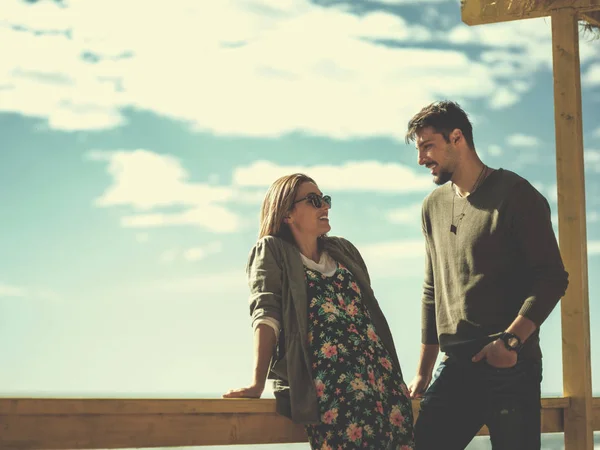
{"x":316,"y":200}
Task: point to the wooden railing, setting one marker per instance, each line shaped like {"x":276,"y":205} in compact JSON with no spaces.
{"x":27,"y":424}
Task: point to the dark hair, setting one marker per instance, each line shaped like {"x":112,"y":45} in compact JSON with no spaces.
{"x":444,"y":117}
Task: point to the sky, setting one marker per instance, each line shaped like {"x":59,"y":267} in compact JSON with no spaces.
{"x":139,"y":138}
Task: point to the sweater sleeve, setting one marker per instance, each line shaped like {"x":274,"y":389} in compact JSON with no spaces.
{"x":265,"y":282}
{"x":428,"y":324}
{"x":532,"y":229}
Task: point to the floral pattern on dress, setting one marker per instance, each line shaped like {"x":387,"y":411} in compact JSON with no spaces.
{"x":363,"y":401}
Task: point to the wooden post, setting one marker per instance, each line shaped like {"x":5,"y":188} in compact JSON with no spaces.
{"x":577,"y":379}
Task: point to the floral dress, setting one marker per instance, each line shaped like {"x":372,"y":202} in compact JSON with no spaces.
{"x":363,"y":401}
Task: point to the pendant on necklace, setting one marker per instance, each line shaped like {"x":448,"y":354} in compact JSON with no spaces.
{"x":453,"y":228}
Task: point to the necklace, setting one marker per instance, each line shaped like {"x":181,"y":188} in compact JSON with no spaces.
{"x":480,"y":178}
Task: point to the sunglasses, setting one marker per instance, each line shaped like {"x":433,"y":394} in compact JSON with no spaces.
{"x":316,"y":200}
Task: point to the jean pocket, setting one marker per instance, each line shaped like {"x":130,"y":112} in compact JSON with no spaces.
{"x":521,"y":374}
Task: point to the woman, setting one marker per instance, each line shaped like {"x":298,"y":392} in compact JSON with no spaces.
{"x":319,"y":331}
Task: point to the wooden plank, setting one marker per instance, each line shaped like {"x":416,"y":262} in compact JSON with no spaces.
{"x":596,"y":416}
{"x":150,"y":430}
{"x":82,"y":407}
{"x":60,"y":424}
{"x":552,"y":422}
{"x":478,"y":12}
{"x":577,"y":379}
{"x":557,"y":403}
{"x":40,"y":406}
{"x":170,"y":430}
{"x":593,"y":18}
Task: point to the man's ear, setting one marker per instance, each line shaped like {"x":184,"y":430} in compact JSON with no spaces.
{"x":455,"y":136}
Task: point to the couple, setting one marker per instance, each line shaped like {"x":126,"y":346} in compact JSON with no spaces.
{"x":493,"y":275}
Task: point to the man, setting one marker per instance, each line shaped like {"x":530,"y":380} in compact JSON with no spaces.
{"x":493,"y":275}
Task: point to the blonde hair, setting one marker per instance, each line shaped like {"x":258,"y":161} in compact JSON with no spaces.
{"x":278,"y":201}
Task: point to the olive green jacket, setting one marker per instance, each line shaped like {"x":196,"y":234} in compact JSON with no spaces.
{"x":278,"y":290}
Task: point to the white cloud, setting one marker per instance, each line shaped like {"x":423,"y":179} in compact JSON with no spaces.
{"x":142,"y":237}
{"x":522,"y":140}
{"x":199,"y":253}
{"x":524,"y":44}
{"x":214,"y":218}
{"x":495,"y":150}
{"x":31,"y":293}
{"x":538,"y":185}
{"x":399,"y":258}
{"x":249,"y":67}
{"x":591,"y":160}
{"x":147,"y":183}
{"x":250,"y":196}
{"x":409,"y":215}
{"x":147,"y":180}
{"x":592,"y":76}
{"x":434,"y":17}
{"x":552,"y":193}
{"x":596,"y":133}
{"x":402,"y":249}
{"x":192,"y":254}
{"x":7,"y":290}
{"x":503,"y":97}
{"x":515,"y":51}
{"x":350,"y":176}
{"x":219,"y":283}
{"x":84,"y":117}
{"x":168,"y":256}
{"x":593,"y":247}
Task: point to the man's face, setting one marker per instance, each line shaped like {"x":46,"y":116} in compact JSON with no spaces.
{"x":436,"y":154}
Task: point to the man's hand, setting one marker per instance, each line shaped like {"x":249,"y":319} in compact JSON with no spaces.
{"x":497,"y":355}
{"x":429,"y":353}
{"x":418,"y":386}
{"x":253,"y":391}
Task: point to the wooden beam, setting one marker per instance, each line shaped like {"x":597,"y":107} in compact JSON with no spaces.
{"x":117,"y":406}
{"x":60,"y":424}
{"x":577,"y":378}
{"x":593,"y":18}
{"x":478,"y":12}
{"x":124,"y":423}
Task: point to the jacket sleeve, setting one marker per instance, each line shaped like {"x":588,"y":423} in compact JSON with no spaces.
{"x":265,"y":282}
{"x":531,"y":227}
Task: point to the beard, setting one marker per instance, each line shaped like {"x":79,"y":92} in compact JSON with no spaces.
{"x":443,"y":177}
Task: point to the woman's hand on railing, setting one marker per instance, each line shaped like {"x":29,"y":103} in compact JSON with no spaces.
{"x":264,"y":345}
{"x":253,"y":391}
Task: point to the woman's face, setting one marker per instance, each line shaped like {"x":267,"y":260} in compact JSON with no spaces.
{"x":305,"y":218}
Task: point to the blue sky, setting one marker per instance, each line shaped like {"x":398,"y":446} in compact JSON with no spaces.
{"x":137,"y":141}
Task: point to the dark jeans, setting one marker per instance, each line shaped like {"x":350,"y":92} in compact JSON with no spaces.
{"x":464,"y":396}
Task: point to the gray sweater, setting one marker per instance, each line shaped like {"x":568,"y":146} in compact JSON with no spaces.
{"x":502,"y":261}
